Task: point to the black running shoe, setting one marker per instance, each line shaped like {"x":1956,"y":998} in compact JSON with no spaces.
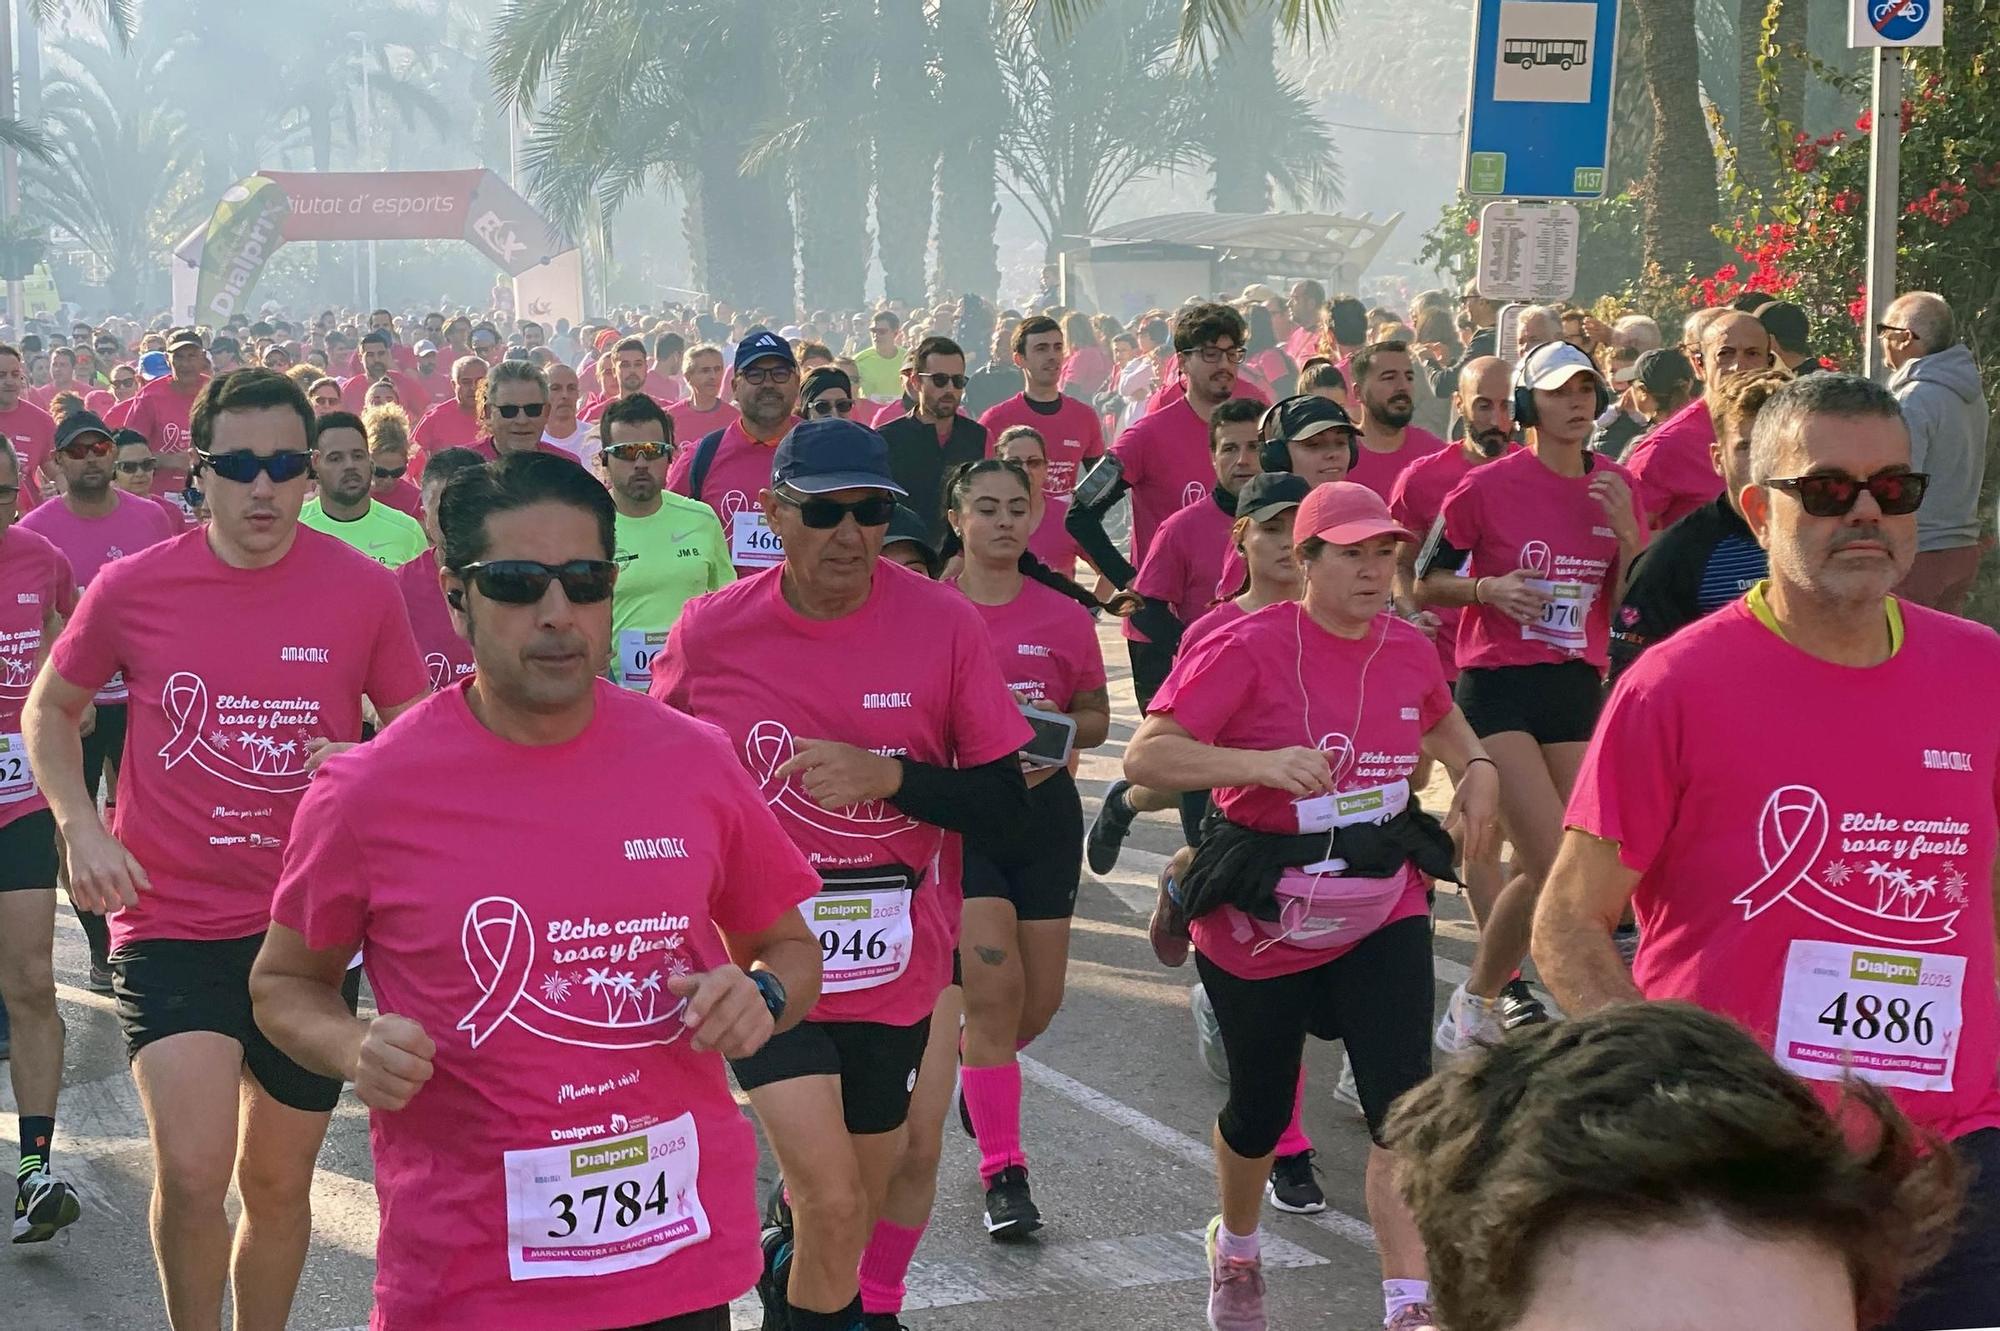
{"x":1010,"y":1211}
{"x":777,"y":1211}
{"x":45,"y":1204}
{"x":1519,"y":1007}
{"x":1293,"y":1187}
{"x":883,"y":1322}
{"x":1108,"y":829}
{"x":776,"y":1279}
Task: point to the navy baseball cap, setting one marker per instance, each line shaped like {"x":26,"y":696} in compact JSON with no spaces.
{"x":79,"y":423}
{"x":825,"y":455}
{"x":763,"y":344}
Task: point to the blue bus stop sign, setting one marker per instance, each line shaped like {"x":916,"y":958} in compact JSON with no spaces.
{"x":1538,"y":118}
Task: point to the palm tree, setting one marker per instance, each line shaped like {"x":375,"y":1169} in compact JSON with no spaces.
{"x":1205,"y":26}
{"x":973,"y":102}
{"x":1680,"y":210}
{"x":906,"y":148}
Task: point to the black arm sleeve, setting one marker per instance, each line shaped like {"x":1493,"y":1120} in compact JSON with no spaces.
{"x":987,"y":805}
{"x":1085,"y":522}
{"x":1663,"y":596}
{"x":1439,"y":554}
{"x":1156,"y":620}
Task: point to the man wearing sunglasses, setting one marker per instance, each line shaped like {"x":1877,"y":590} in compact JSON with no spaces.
{"x":1796,"y":796}
{"x":345,"y":507}
{"x":517,"y":410}
{"x":728,"y":468}
{"x":1936,"y":380}
{"x":486,"y":1157}
{"x":454,"y":422}
{"x":1074,"y":434}
{"x":670,"y":548}
{"x":878,"y":662}
{"x":247,"y":649}
{"x":1670,"y":464}
{"x":133,"y":473}
{"x":163,"y":408}
{"x":936,"y":437}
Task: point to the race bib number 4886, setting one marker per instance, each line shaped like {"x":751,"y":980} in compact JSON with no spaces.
{"x":1890,"y":1017}
{"x":604,"y":1206}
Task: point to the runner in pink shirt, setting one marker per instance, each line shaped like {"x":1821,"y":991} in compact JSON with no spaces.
{"x":248,"y":646}
{"x":1383,"y":383}
{"x":1016,"y":919}
{"x":1671,"y":470}
{"x":1049,"y":539}
{"x":26,"y":426}
{"x":447,"y":656}
{"x":514,"y":405}
{"x":1827,"y":885}
{"x":389,"y":458}
{"x":1533,"y":546}
{"x":134,"y":475}
{"x":510,"y":1090}
{"x":376,"y":365}
{"x":1306,"y":720}
{"x":454,"y":422}
{"x":703,"y":411}
{"x":1183,"y":568}
{"x":1070,"y":427}
{"x":62,"y":379}
{"x":731,"y":472}
{"x":1303,"y":305}
{"x":162,"y":410}
{"x":433,"y":379}
{"x":37,"y":591}
{"x":887,"y":725}
{"x":665,"y":382}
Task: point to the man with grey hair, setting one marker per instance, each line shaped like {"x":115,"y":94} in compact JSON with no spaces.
{"x":1539,"y":324}
{"x":1639,"y":332}
{"x":1672,"y":472}
{"x":1937,"y":382}
{"x":513,"y":408}
{"x":454,"y":422}
{"x":1693,"y":328}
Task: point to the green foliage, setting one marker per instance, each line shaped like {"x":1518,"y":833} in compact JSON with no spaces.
{"x":1607,"y":246}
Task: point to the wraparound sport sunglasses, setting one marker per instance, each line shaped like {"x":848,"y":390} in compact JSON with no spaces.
{"x":526,"y":581}
{"x":242,"y":466}
{"x":1833,"y":495}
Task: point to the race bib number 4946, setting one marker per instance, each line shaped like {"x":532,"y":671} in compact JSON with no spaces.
{"x":1889,"y":1017}
{"x":604,"y":1206}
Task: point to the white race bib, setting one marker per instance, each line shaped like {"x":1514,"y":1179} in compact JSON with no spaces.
{"x":17,"y":779}
{"x":1371,"y":804}
{"x":752,"y":543}
{"x":604,"y":1206}
{"x":1891,"y":1017}
{"x":864,"y":931}
{"x":1562,"y":619}
{"x":636,"y":650}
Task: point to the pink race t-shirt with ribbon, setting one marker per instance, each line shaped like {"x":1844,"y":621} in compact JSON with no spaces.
{"x":223,"y":706}
{"x":35,"y":578}
{"x":447,"y":657}
{"x":1072,"y":432}
{"x":1045,"y":645}
{"x":1672,"y":472}
{"x":1415,"y":502}
{"x":691,"y":426}
{"x":161,"y":413}
{"x":909,"y":674}
{"x":1166,"y":461}
{"x":1380,"y":471}
{"x":1366,"y":702}
{"x":1823,"y":879}
{"x":1515,"y":513}
{"x":573,"y":1160}
{"x":90,"y":543}
{"x":1184,"y":564}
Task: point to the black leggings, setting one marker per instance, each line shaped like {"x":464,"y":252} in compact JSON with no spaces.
{"x":1376,"y":999}
{"x":708,"y":1319}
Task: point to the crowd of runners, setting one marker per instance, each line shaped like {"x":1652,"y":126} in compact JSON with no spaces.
{"x":686,"y":707}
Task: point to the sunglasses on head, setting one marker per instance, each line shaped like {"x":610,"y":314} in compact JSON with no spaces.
{"x":824,"y":514}
{"x":643,"y":450}
{"x":242,"y":466}
{"x":391,"y":473}
{"x":80,"y":449}
{"x":1832,"y":495}
{"x":512,"y":409}
{"x":826,"y":406}
{"x":136,"y":466}
{"x":526,"y":581}
{"x":945,"y":380}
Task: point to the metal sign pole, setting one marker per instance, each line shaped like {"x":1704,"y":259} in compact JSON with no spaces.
{"x":1885,"y":144}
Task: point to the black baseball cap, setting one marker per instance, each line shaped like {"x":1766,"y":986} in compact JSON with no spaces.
{"x":1663,"y":369}
{"x":825,"y":455}
{"x":763,"y":344}
{"x":80,"y":423}
{"x":1309,"y":414}
{"x":905,"y":525}
{"x":184,"y":337}
{"x":1270,"y":493}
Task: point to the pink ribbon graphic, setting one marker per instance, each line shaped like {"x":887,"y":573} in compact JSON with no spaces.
{"x":1536,"y":559}
{"x":732,"y":503}
{"x":1791,"y":832}
{"x":281,"y":766}
{"x":1193,"y":493}
{"x":769,"y":746}
{"x":439,"y":669}
{"x":499,"y":944}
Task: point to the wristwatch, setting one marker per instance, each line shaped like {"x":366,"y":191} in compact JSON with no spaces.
{"x":773,"y":989}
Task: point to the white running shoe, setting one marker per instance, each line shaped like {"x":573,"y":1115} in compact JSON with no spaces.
{"x":1208,"y":1035}
{"x":44,"y":1205}
{"x":1468,"y":1021}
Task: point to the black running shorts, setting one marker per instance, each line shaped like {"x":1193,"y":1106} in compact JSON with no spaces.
{"x":1556,"y":703}
{"x":877,"y":1066}
{"x":171,"y":986}
{"x":1045,"y":887}
{"x":28,"y":853}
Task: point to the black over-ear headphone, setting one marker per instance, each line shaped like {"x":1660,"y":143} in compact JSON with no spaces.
{"x":1524,"y":396}
{"x":1275,"y":453}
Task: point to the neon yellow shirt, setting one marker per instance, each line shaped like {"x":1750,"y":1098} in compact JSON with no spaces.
{"x":383,"y":534}
{"x":664,"y":561}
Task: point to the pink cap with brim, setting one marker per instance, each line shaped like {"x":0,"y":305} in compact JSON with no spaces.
{"x":1343,"y":513}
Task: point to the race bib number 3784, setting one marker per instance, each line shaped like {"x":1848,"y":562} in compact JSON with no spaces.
{"x":604,"y":1206}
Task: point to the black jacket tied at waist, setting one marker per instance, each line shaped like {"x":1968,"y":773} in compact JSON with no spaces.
{"x":1239,"y":866}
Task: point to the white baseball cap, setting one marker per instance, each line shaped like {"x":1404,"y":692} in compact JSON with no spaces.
{"x":1553,"y":364}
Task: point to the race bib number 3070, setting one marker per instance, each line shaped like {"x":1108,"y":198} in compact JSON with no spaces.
{"x":604,"y":1206}
{"x":1889,"y":1017}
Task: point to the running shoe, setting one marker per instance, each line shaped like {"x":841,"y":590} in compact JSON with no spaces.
{"x":1412,"y":1317}
{"x":777,"y":1210}
{"x":43,"y":1205}
{"x":1168,"y":929}
{"x":1208,"y":1035}
{"x":1344,"y":1090}
{"x":1292,"y":1186}
{"x":1108,"y":829}
{"x":1010,"y":1211}
{"x":1519,"y":1007}
{"x":883,"y":1322}
{"x":1235,"y":1289}
{"x":1468,"y":1021}
{"x":100,"y":978}
{"x":773,"y":1283}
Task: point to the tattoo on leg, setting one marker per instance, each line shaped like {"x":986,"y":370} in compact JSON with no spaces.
{"x":992,"y":956}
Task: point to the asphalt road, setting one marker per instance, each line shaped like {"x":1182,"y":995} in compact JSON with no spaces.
{"x":1116,"y":1122}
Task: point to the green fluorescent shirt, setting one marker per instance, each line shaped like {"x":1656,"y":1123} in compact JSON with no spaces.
{"x":383,"y":534}
{"x":881,"y":376}
{"x":664,"y":562}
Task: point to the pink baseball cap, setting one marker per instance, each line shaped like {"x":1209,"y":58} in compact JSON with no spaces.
{"x":1343,"y":513}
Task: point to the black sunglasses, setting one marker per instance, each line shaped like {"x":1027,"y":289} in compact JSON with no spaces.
{"x":823,"y":406}
{"x":242,"y":466}
{"x":88,"y":448}
{"x":526,"y":581}
{"x":136,"y":466}
{"x":945,"y":380}
{"x":643,"y":450}
{"x":391,"y":473}
{"x":1830,"y":495}
{"x":512,"y":409}
{"x":823,"y":514}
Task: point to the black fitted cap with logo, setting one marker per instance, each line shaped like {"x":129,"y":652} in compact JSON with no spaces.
{"x":1270,"y":493}
{"x":80,"y":423}
{"x":1308,"y":414}
{"x":821,"y":456}
{"x":763,"y":344}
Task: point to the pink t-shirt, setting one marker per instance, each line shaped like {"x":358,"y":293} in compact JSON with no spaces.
{"x":1274,"y":368}
{"x":91,"y":543}
{"x":1184,"y":563}
{"x":100,"y":400}
{"x":1828,"y":886}
{"x":1175,"y":390}
{"x":1221,"y":616}
{"x":911,"y":674}
{"x":739,"y":471}
{"x":1367,"y":702}
{"x":1045,"y":645}
{"x":403,"y":497}
{"x":691,"y":426}
{"x":1379,"y":471}
{"x":1051,"y":542}
{"x":411,"y":395}
{"x":33,"y":435}
{"x":437,"y":387}
{"x":222,"y":706}
{"x":47,"y":393}
{"x":1085,"y":371}
{"x":1166,"y":461}
{"x":161,"y":414}
{"x":664,"y":388}
{"x":446,"y":425}
{"x":1302,"y":345}
{"x":447,"y":657}
{"x":533,"y":938}
{"x":1672,"y":473}
{"x":1515,"y":513}
{"x":35,"y":578}
{"x":1415,"y":503}
{"x":1072,"y":431}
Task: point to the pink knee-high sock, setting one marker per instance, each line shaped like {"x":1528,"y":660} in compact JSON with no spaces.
{"x":884,"y":1264}
{"x":993,"y":1095}
{"x":1295,"y":1139}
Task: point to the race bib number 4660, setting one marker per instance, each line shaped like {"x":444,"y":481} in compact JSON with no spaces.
{"x":1889,"y":1017}
{"x":606,"y":1205}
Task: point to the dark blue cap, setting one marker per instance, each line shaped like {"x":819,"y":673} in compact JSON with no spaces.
{"x":826,"y":455}
{"x":763,"y":344}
